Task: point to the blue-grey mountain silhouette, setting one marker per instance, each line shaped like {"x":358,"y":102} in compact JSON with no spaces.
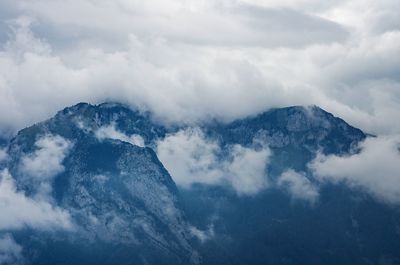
{"x":126,"y":208}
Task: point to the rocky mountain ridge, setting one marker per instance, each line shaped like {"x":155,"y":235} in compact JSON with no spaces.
{"x":99,"y":163}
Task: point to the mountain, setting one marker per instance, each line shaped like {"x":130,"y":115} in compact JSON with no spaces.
{"x":100,"y":164}
{"x":119,"y":194}
{"x":294,"y":134}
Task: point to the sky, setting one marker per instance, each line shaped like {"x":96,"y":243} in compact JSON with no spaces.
{"x":191,"y":60}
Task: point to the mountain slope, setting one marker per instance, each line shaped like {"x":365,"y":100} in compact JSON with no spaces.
{"x":99,"y":163}
{"x":118,"y":194}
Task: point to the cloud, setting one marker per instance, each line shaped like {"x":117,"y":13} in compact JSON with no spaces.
{"x":110,"y":132}
{"x":192,"y":158}
{"x":10,"y":251}
{"x":229,"y":24}
{"x":202,"y":235}
{"x":189,"y":61}
{"x":247,"y":169}
{"x":374,"y":169}
{"x":158,"y":56}
{"x":3,"y":154}
{"x":298,"y":186}
{"x":45,"y":162}
{"x":19,"y":211}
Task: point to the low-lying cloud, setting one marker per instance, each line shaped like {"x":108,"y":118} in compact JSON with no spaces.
{"x":375,"y":169}
{"x":192,"y":158}
{"x":246,"y":169}
{"x":45,"y":162}
{"x":110,"y":132}
{"x":10,"y":251}
{"x":19,"y":211}
{"x":202,"y":235}
{"x":3,"y":154}
{"x":298,"y":186}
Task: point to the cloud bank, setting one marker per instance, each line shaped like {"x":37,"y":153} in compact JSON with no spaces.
{"x":10,"y":251}
{"x":19,"y":211}
{"x":46,"y":162}
{"x":191,"y":60}
{"x":298,"y":186}
{"x":110,"y":132}
{"x":3,"y":154}
{"x":376,"y":169}
{"x":192,"y":158}
{"x":202,"y":235}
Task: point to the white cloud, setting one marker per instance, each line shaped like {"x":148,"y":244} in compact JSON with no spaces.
{"x":3,"y":155}
{"x":45,"y":162}
{"x":157,"y":55}
{"x":192,"y":158}
{"x":247,"y":169}
{"x":202,"y":235}
{"x":111,"y":132}
{"x":18,"y":211}
{"x":10,"y":251}
{"x":298,"y":185}
{"x":375,"y":169}
{"x":229,"y":23}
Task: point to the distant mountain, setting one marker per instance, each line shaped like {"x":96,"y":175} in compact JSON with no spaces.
{"x":127,"y":209}
{"x":294,"y":134}
{"x":119,"y":194}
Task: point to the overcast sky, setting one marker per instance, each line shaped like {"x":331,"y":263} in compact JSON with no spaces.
{"x":193,"y":59}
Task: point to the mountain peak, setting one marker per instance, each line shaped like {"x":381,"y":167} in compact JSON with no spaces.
{"x":85,"y":160}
